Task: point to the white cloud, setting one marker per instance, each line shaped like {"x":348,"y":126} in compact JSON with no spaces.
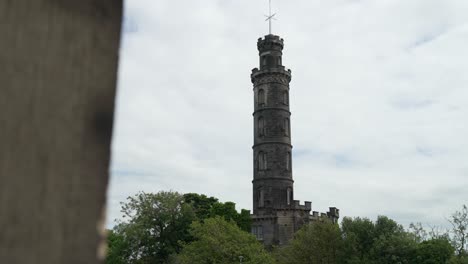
{"x":378,"y":101}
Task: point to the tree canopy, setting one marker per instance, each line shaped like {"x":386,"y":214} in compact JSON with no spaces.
{"x":168,"y":227}
{"x":317,"y":242}
{"x":156,"y":226}
{"x":153,"y":226}
{"x":219,"y":241}
{"x":362,"y":241}
{"x":206,"y":207}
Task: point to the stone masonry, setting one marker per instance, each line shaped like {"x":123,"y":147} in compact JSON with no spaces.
{"x":276,"y":215}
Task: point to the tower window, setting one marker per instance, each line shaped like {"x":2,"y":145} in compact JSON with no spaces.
{"x":289,"y":195}
{"x":285,"y":98}
{"x":261,"y":198}
{"x":261,"y":126}
{"x":257,"y":231}
{"x":286,"y":127}
{"x":288,"y":161}
{"x":262,"y":161}
{"x":261,"y":97}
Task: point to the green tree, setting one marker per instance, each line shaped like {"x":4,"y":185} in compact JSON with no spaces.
{"x":316,"y":242}
{"x":206,"y":207}
{"x":392,"y":244}
{"x":458,"y":260}
{"x":201,"y":204}
{"x":434,"y":251}
{"x":154,"y":225}
{"x":382,"y":241}
{"x":117,"y":248}
{"x":358,"y":240}
{"x":459,"y":221}
{"x":419,"y":233}
{"x":394,"y":248}
{"x":223,"y":242}
{"x":433,"y":246}
{"x":229,"y":212}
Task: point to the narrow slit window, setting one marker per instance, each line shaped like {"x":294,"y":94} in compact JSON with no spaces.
{"x":261,"y":126}
{"x":261,"y":161}
{"x":261,"y":97}
{"x":261,"y":198}
{"x":286,"y":127}
{"x":285,"y":98}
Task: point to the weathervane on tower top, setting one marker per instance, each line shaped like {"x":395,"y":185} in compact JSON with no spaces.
{"x":270,"y":17}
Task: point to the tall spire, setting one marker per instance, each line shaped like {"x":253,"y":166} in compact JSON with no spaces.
{"x":269,"y":17}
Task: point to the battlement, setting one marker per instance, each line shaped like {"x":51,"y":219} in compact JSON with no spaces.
{"x":270,"y":42}
{"x":281,"y":67}
{"x":333,"y":214}
{"x":307,"y":206}
{"x":271,"y":37}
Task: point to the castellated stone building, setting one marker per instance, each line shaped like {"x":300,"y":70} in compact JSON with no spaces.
{"x":276,"y":215}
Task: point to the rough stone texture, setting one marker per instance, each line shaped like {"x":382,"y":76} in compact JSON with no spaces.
{"x":58,"y":69}
{"x":275,"y":211}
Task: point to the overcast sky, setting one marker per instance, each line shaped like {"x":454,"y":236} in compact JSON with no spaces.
{"x":379,"y":102}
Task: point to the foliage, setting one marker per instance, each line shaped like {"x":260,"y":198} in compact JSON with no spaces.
{"x":358,"y":240}
{"x":458,"y":260}
{"x":391,"y":243}
{"x":118,"y":248}
{"x":459,"y":221}
{"x":168,"y":227}
{"x":201,"y":204}
{"x":316,"y":242}
{"x":381,"y":242}
{"x":229,"y":212}
{"x":206,"y":207}
{"x":361,"y":241}
{"x":155,"y":225}
{"x":220,"y":241}
{"x":419,"y":233}
{"x":433,"y":251}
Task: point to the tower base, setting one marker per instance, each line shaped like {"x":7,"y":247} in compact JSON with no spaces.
{"x":276,"y":227}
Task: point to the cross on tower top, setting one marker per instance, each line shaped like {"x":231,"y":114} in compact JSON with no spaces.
{"x":270,"y":17}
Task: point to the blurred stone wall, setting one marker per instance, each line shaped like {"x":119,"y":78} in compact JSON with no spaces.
{"x":58,"y":71}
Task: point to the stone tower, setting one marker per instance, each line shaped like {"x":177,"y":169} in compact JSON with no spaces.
{"x":276,"y":215}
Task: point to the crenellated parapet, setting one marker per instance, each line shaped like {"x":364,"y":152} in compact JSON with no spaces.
{"x":270,"y":50}
{"x":333,"y":215}
{"x":307,"y":206}
{"x":280,"y":75}
{"x":270,"y":43}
